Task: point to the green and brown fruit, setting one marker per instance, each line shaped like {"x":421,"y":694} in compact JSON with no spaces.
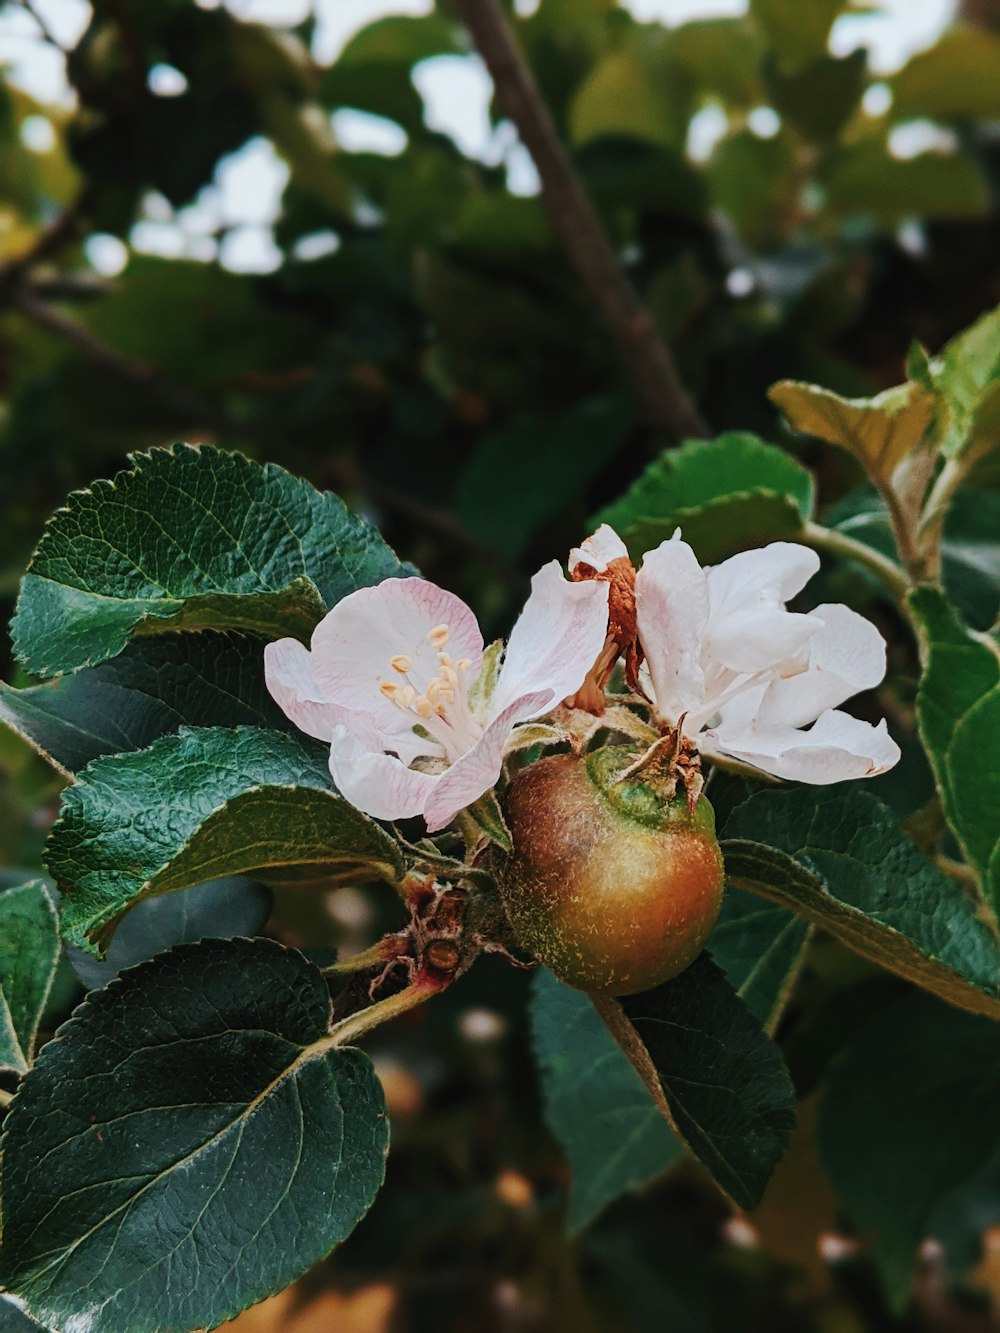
{"x":613,"y":885}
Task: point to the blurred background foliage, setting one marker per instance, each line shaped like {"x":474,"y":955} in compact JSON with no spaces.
{"x":414,"y":337}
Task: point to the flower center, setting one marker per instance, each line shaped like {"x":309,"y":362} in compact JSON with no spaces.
{"x":441,"y":706}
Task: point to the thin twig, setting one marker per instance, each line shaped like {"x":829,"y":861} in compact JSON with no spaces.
{"x":646,"y":356}
{"x":191,"y":407}
{"x":893,"y":578}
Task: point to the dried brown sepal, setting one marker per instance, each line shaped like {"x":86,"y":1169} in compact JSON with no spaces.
{"x":622,"y":640}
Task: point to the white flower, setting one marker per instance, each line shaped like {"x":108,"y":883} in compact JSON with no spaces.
{"x":746,"y":675}
{"x":387,"y":682}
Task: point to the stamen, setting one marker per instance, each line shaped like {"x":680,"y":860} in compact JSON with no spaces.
{"x":391,"y":690}
{"x":463,"y":664}
{"x":400,"y":663}
{"x":422,"y":706}
{"x":438,"y":636}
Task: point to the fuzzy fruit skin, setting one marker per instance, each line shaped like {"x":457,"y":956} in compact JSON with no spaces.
{"x":612,"y":888}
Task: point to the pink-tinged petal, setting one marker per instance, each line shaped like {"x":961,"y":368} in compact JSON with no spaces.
{"x":291,"y":684}
{"x":379,"y":784}
{"x":479,"y":768}
{"x":598,"y":550}
{"x":353,"y":646}
{"x":769,"y":575}
{"x":845,"y":656}
{"x":555,"y":642}
{"x":671,"y":598}
{"x":836,"y":748}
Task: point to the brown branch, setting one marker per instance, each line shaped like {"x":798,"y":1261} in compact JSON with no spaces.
{"x":646,"y":356}
{"x":176,"y":398}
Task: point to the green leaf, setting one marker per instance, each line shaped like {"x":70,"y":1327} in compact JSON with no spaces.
{"x":879,"y":432}
{"x":797,"y":33}
{"x":958,"y":709}
{"x":190,"y":1143}
{"x":593,"y":1096}
{"x":716,"y":1076}
{"x":837,"y":857}
{"x":516,"y":478}
{"x":220,"y":909}
{"x":725,"y":495}
{"x":611,"y":1130}
{"x":864,"y":177}
{"x":373,"y":71}
{"x":753,"y":182}
{"x":153,"y":687}
{"x":189,"y":538}
{"x":908,"y":1117}
{"x":29,"y":953}
{"x":821,"y":98}
{"x":627,"y":96}
{"x":957,"y":77}
{"x":970,"y":551}
{"x":198,"y":805}
{"x":14,"y":1320}
{"x":759,"y":947}
{"x":722,"y":56}
{"x":965,"y":376}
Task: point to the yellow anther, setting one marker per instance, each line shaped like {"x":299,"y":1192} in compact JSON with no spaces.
{"x":390,"y":690}
{"x":406,"y":696}
{"x":433,"y":691}
{"x":463,"y":664}
{"x":438,"y":636}
{"x":423,"y":706}
{"x":400,"y":663}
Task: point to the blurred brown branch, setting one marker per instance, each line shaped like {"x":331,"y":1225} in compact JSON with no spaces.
{"x":647,"y":358}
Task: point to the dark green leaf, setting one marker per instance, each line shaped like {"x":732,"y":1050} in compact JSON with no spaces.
{"x":190,"y":1143}
{"x":29,"y":953}
{"x":837,"y":857}
{"x":759,"y":947}
{"x":153,"y":687}
{"x":820,"y":99}
{"x":714,"y":1073}
{"x":516,"y":479}
{"x":189,"y":538}
{"x":220,"y":909}
{"x":753,"y":181}
{"x":797,"y":33}
{"x":909,"y":1116}
{"x":958,"y":708}
{"x":14,"y":1320}
{"x":373,"y":71}
{"x":198,"y":805}
{"x":724,"y":495}
{"x":614,"y":1137}
{"x":970,"y":551}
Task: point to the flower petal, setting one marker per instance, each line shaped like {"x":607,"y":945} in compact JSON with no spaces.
{"x":291,"y":684}
{"x":479,"y":768}
{"x":671,"y":597}
{"x":845,"y":656}
{"x":837,"y":747}
{"x":377,"y":783}
{"x":773,"y":573}
{"x":353,"y":646}
{"x":555,"y":642}
{"x":598,"y":550}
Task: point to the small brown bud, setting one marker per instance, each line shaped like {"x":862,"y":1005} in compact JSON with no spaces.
{"x":442,"y":955}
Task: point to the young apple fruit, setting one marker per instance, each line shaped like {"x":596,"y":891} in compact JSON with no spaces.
{"x":612,"y":884}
